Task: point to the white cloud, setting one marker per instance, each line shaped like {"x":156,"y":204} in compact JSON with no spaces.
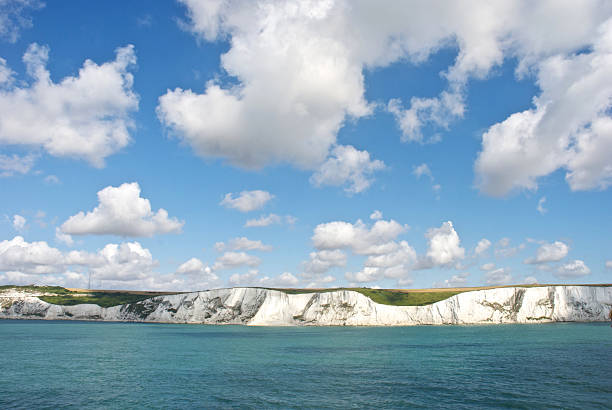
{"x":121,"y":211}
{"x":85,"y":116}
{"x":444,"y":245}
{"x":569,"y":126}
{"x":487,"y":266}
{"x":320,"y":282}
{"x":242,"y":244}
{"x":358,"y":237}
{"x":124,"y":262}
{"x":386,"y":257}
{"x":436,"y":111}
{"x":19,"y":222}
{"x":29,"y":258}
{"x":235,"y":259}
{"x":299,"y":66}
{"x":63,"y":237}
{"x":540,"y":207}
{"x":367,"y":274}
{"x":504,"y":250}
{"x":282,"y":280}
{"x":483,"y":245}
{"x":530,"y":280}
{"x":376,"y":215}
{"x":270,"y":219}
{"x":422,"y":170}
{"x":454,"y":282}
{"x":252,"y":278}
{"x":193,"y":266}
{"x":297,"y":70}
{"x":247,"y":200}
{"x":549,"y":252}
{"x":573,"y":269}
{"x":322,"y":261}
{"x":499,"y":276}
{"x":14,"y":16}
{"x":115,"y":266}
{"x":52,"y":180}
{"x":609,"y":264}
{"x":396,"y":264}
{"x":14,"y":164}
{"x":297,"y":83}
{"x":6,"y":74}
{"x":196,"y":269}
{"x":347,"y":165}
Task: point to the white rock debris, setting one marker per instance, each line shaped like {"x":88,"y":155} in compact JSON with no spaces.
{"x":265,"y":307}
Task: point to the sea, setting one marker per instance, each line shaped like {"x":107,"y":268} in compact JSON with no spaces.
{"x":81,"y":365}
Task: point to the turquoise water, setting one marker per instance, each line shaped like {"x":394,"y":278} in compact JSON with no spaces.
{"x":127,"y":365}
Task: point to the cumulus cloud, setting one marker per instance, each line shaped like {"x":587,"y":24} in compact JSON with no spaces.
{"x":29,"y":258}
{"x":376,"y":215}
{"x":15,"y":164}
{"x":19,"y":222}
{"x":198,"y":272}
{"x":483,"y":245}
{"x":423,"y":170}
{"x":357,"y":237}
{"x":437,"y":111}
{"x":242,"y":244}
{"x":63,"y":237}
{"x":270,"y":219}
{"x":386,"y":257}
{"x":115,"y":266}
{"x":530,"y":280}
{"x":609,"y":264}
{"x":121,"y":262}
{"x":252,"y":278}
{"x":124,"y":262}
{"x":549,"y":252}
{"x":444,"y":245}
{"x":121,"y":211}
{"x":235,"y":259}
{"x":15,"y":16}
{"x":573,"y":269}
{"x":569,"y":127}
{"x":299,"y":67}
{"x":297,"y":83}
{"x":396,"y":263}
{"x":322,"y":261}
{"x":499,"y":276}
{"x":84,"y":116}
{"x":487,"y":266}
{"x":454,"y":281}
{"x":504,"y":250}
{"x":247,"y":201}
{"x":347,"y":166}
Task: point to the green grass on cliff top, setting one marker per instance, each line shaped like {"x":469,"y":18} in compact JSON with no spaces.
{"x":106,"y":298}
{"x":389,"y":296}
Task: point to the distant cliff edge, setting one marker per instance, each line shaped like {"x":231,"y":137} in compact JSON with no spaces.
{"x":267,"y":307}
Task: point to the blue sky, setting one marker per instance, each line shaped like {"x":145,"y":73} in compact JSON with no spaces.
{"x":369,"y":144}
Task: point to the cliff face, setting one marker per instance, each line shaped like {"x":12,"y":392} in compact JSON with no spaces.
{"x":264,"y":307}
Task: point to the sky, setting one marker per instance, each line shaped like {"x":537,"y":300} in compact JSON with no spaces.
{"x":196,"y":144}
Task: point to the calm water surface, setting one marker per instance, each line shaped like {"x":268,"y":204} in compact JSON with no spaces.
{"x":126,"y":365}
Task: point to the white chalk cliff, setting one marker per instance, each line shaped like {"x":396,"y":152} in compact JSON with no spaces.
{"x":264,"y":307}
